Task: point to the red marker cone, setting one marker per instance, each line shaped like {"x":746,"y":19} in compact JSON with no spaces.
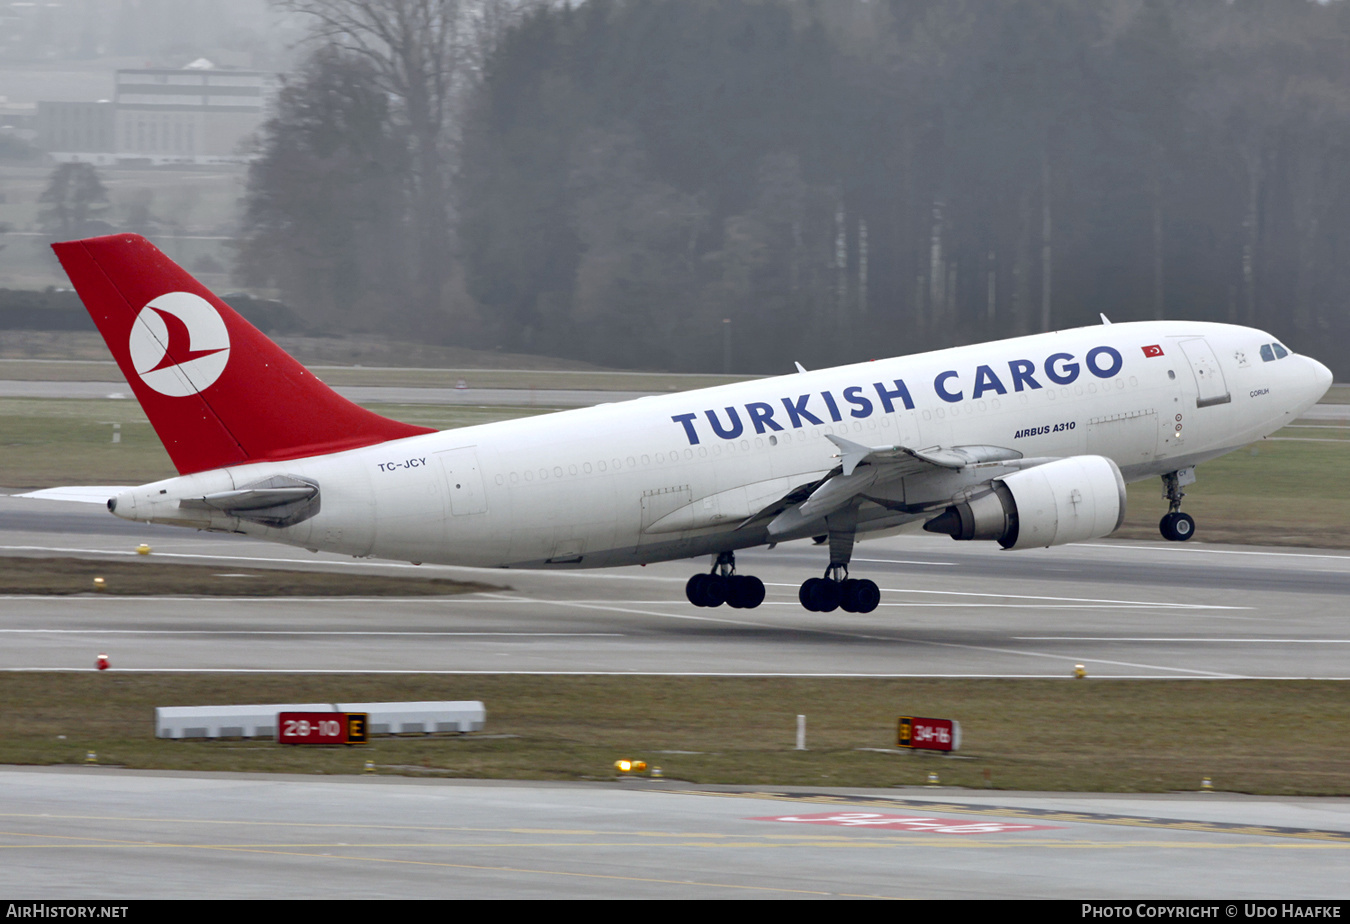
{"x":102,"y":662}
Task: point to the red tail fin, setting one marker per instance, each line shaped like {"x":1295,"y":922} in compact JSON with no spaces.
{"x":217,"y":391}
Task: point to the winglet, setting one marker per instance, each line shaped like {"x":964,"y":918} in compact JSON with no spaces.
{"x":851,"y":452}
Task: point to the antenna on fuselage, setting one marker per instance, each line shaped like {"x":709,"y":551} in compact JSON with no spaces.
{"x":1105,"y":319}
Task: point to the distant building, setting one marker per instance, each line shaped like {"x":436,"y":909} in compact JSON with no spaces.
{"x":18,"y":119}
{"x":86,"y":128}
{"x":193,"y":115}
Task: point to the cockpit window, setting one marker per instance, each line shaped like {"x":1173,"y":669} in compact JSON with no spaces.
{"x":1280,"y":352}
{"x":1267,"y":354}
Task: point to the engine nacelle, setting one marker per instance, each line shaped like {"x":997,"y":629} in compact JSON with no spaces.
{"x":1069,"y":500}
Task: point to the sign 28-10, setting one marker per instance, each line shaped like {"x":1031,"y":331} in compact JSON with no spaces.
{"x":321,"y":727}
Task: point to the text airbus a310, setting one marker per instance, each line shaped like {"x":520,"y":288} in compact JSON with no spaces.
{"x":1026,"y":442}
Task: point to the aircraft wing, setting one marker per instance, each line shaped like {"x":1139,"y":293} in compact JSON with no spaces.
{"x":786,"y":503}
{"x":897,"y":461}
{"x":863,"y":467}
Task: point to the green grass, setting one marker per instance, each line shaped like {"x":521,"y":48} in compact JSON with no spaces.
{"x":47,"y":442}
{"x":1270,"y":737}
{"x":1271,"y":493}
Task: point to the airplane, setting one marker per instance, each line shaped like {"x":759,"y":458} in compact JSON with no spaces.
{"x":1027,"y":442}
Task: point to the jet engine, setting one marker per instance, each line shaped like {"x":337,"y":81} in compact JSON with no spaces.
{"x":1068,"y":500}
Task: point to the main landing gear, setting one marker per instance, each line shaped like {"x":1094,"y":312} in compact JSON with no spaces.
{"x":836,"y":590}
{"x":1176,"y":526}
{"x":724,"y":585}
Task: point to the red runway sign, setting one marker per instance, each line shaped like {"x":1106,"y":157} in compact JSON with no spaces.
{"x":928,"y":734}
{"x":321,"y":727}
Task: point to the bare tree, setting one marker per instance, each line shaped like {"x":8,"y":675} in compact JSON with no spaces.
{"x":74,"y":197}
{"x":424,"y":54}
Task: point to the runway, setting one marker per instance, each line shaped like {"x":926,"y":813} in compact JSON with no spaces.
{"x":1124,"y":609}
{"x":77,"y":833}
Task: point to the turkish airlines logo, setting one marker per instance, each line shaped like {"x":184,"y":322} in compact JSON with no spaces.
{"x":179,"y":344}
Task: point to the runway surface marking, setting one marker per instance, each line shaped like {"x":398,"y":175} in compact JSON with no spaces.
{"x":1235,"y":641}
{"x":842,"y":633}
{"x":1202,"y":550}
{"x":1098,"y":603}
{"x":578,"y":837}
{"x":928,"y":824}
{"x":619,"y":607}
{"x":246,"y":632}
{"x":1340,"y":838}
{"x":905,"y":561}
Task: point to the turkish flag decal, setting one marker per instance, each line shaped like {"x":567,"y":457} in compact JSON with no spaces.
{"x":1154,"y":350}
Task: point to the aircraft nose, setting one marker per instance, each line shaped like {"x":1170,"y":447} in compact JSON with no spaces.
{"x":1321,"y":376}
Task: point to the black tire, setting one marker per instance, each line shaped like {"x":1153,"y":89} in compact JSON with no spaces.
{"x":714,"y":590}
{"x":693,"y":589}
{"x":804,"y":594}
{"x":860,"y":596}
{"x":746,"y":592}
{"x":823,"y":595}
{"x":848,"y":590}
{"x":1177,"y":527}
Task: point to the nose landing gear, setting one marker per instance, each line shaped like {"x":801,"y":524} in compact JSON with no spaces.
{"x":1176,"y":526}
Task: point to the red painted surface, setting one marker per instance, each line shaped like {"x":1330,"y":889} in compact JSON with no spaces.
{"x":265,"y":406}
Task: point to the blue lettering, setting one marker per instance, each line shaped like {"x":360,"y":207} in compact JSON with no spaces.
{"x":1021,"y":370}
{"x":797,"y":411}
{"x":834,"y":408}
{"x":761,"y":415}
{"x":943,"y":393}
{"x":1116,"y":362}
{"x":985,"y":380}
{"x":900,"y":392}
{"x":854,"y":396}
{"x":1067,"y":375}
{"x":736,"y":427}
{"x":688,"y":421}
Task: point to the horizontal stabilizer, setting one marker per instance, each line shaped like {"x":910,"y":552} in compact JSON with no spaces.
{"x":83,"y":494}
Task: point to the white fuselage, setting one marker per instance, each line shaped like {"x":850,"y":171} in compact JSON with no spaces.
{"x":674,"y":476}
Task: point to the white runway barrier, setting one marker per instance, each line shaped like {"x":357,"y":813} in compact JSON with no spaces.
{"x":261,"y":721}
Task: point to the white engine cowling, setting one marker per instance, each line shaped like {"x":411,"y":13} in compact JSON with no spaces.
{"x":1069,"y":500}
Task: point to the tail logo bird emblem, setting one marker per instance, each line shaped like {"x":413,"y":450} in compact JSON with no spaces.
{"x":179,"y":344}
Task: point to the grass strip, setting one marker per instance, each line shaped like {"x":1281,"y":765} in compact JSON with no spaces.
{"x":1254,"y":736}
{"x":147,"y":577}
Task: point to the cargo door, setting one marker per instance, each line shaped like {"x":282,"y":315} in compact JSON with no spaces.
{"x":1211,"y":388}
